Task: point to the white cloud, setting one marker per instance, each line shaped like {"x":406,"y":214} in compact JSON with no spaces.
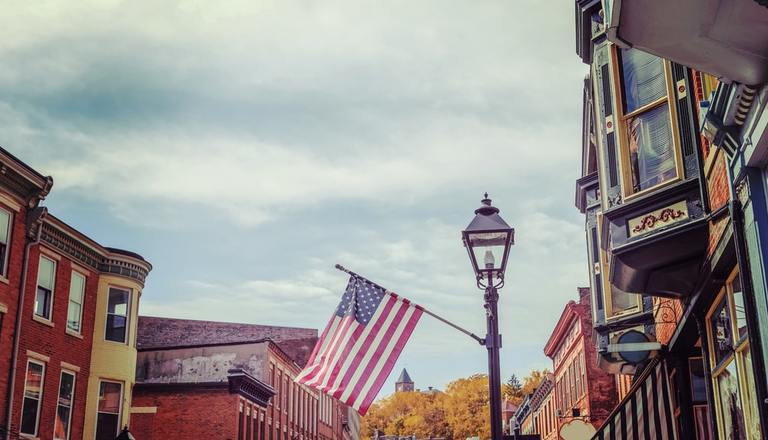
{"x":190,"y":117}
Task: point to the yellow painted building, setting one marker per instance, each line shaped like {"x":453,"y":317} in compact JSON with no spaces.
{"x":113,"y":358}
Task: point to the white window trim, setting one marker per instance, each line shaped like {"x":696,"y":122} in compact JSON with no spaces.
{"x":119,"y":410}
{"x":53,"y":289}
{"x":39,"y":400}
{"x":9,"y":233}
{"x":82,"y":304}
{"x":127,"y":315}
{"x":72,"y":403}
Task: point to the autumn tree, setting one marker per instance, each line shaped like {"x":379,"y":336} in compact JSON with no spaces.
{"x":533,"y":380}
{"x":513,"y":390}
{"x":408,"y":413}
{"x":460,"y":412}
{"x":467,"y":408}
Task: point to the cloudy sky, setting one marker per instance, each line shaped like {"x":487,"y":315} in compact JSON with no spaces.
{"x":245,"y":147}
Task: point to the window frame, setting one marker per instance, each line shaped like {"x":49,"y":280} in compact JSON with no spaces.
{"x":5,"y":255}
{"x":605,"y":270}
{"x":119,"y":410}
{"x":620,"y":118}
{"x":39,"y":400}
{"x":82,"y":302}
{"x":127,"y":314}
{"x":71,"y":407}
{"x":736,"y":357}
{"x":52,"y":293}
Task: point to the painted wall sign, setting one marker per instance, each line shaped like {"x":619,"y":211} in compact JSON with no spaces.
{"x":658,"y":219}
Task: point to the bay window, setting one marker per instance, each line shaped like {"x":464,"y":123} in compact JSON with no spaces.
{"x":46,"y":279}
{"x":108,"y":416}
{"x":118,"y":308}
{"x":61,"y":426}
{"x":33,"y":393}
{"x":76,"y":296}
{"x":649,"y":149}
{"x":731,"y":363}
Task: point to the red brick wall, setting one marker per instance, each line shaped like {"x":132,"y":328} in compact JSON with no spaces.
{"x":186,"y":414}
{"x":284,"y":410}
{"x":55,"y":343}
{"x":667,"y":313}
{"x":601,"y":394}
{"x":9,"y":294}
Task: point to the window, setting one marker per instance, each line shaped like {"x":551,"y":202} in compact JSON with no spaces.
{"x":648,"y":147}
{"x":5,"y":234}
{"x":731,"y":363}
{"x":117,"y":315}
{"x":33,"y":393}
{"x":46,"y":278}
{"x":618,"y":303}
{"x":64,"y":406}
{"x":76,"y":296}
{"x":108,"y":416}
{"x":699,"y":399}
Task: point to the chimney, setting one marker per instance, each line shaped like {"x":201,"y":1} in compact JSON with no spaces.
{"x":584,"y":296}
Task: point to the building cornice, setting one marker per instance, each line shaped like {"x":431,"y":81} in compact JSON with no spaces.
{"x":242,"y":383}
{"x":65,"y":239}
{"x":563,"y":324}
{"x":21,"y":181}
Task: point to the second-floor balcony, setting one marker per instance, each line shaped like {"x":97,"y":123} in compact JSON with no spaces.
{"x":657,"y":243}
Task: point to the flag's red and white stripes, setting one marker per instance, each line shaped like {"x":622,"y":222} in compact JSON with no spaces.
{"x":351,"y":361}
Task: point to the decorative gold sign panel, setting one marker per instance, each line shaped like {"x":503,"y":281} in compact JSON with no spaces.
{"x":658,"y":219}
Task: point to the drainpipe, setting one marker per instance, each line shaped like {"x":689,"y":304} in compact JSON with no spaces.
{"x":33,"y":224}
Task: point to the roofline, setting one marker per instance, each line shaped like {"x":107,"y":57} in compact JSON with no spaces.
{"x":22,"y":168}
{"x":560,"y":327}
{"x":105,"y":251}
{"x":228,"y":322}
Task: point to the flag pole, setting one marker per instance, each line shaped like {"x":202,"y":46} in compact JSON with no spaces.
{"x":480,"y":340}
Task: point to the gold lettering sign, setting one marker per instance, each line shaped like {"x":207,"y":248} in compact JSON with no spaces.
{"x":658,"y":219}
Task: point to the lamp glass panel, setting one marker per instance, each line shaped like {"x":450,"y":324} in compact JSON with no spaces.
{"x":488,"y":249}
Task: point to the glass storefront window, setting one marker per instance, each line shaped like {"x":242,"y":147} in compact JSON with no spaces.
{"x":731,"y":362}
{"x":720,"y":328}
{"x":731,"y":413}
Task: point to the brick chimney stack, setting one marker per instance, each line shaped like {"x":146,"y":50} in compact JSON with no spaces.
{"x":584,"y":296}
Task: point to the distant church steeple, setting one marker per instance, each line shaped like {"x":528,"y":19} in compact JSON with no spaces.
{"x":404,"y":382}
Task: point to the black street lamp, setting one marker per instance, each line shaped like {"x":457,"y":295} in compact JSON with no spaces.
{"x":488,"y":239}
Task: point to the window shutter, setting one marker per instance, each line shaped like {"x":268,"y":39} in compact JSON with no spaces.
{"x":684,"y":101}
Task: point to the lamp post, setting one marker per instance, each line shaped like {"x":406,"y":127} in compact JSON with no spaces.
{"x":488,"y":239}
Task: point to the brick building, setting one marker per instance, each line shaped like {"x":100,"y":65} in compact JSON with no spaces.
{"x":583,"y":394}
{"x":234,"y":381}
{"x":543,"y":410}
{"x":66,"y":332}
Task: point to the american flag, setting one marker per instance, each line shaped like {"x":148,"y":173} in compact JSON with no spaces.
{"x":360,"y":345}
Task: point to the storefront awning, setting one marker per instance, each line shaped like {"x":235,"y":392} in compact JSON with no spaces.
{"x":646,"y":411}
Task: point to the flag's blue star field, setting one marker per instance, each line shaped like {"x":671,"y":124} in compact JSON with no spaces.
{"x":360,"y":300}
